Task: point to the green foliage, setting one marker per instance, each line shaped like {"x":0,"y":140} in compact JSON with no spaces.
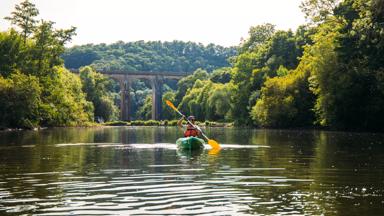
{"x":278,"y":52}
{"x":77,"y":57}
{"x":140,"y":90}
{"x":220,"y":101}
{"x":337,"y":83}
{"x":19,"y":101}
{"x":243,"y":69}
{"x":192,"y":103}
{"x":12,"y":52}
{"x":258,"y":35}
{"x":145,"y":123}
{"x":175,"y":56}
{"x":329,"y":72}
{"x":98,"y":89}
{"x":208,"y":100}
{"x":282,"y":71}
{"x":221,"y":75}
{"x":48,"y":46}
{"x":349,"y":81}
{"x":64,"y":102}
{"x":145,"y":111}
{"x":116,"y":123}
{"x":281,"y":49}
{"x":285,"y":102}
{"x":187,"y":82}
{"x":170,"y":123}
{"x":36,"y":89}
{"x":318,"y":10}
{"x":321,"y":59}
{"x":152,"y":123}
{"x":217,"y":124}
{"x":24,"y":17}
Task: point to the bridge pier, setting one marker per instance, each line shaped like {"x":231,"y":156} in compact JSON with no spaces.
{"x":125,"y":79}
{"x":125,"y":102}
{"x":157,"y":97}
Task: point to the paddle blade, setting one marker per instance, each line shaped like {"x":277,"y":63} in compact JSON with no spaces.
{"x":214,"y":144}
{"x":169,"y":103}
{"x":214,"y":152}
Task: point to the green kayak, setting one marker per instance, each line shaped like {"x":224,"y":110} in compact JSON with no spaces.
{"x":190,"y":143}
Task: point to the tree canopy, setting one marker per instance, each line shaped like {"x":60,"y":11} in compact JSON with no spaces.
{"x":175,"y":56}
{"x":35,"y":89}
{"x":328,"y":73}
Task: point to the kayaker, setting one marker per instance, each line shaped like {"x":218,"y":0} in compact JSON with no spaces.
{"x":190,"y":129}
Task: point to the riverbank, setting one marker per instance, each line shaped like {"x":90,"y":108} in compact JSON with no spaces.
{"x":130,"y":123}
{"x":165,"y":123}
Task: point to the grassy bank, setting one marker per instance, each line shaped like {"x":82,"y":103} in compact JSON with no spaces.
{"x":164,"y":123}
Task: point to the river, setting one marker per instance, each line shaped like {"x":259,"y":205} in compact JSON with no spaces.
{"x":139,"y":171}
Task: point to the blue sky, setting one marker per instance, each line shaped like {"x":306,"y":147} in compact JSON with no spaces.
{"x":222,"y":22}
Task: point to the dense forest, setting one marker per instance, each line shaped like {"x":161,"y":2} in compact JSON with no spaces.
{"x":35,"y":87}
{"x":327,"y":73}
{"x":175,"y":56}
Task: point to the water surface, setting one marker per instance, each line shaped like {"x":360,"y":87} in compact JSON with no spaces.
{"x":139,"y":171}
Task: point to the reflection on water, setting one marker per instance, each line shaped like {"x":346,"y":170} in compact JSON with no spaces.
{"x":139,"y":171}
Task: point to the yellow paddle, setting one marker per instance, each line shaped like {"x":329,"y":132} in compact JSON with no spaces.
{"x":211,"y":142}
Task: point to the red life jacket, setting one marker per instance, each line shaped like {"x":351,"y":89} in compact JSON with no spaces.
{"x":191,"y":131}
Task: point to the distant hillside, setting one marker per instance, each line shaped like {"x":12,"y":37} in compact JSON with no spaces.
{"x":176,"y":56}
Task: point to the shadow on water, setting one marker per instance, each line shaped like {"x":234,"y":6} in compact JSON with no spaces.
{"x":137,"y":170}
{"x":186,"y":154}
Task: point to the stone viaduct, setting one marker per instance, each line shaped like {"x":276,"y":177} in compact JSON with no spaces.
{"x":156,"y":79}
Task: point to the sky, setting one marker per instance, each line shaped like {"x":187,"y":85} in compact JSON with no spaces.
{"x":222,"y":22}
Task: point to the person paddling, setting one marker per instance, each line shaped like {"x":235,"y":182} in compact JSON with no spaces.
{"x":190,"y":129}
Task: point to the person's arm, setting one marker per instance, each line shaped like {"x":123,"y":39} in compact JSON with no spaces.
{"x":180,"y":122}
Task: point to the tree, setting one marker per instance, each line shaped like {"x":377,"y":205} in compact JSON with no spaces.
{"x":219,"y":100}
{"x":285,"y":101}
{"x":49,"y":45}
{"x":145,"y":111}
{"x":187,"y":82}
{"x":257,"y":36}
{"x":221,"y":75}
{"x":195,"y":100}
{"x":357,"y":92}
{"x":79,"y":57}
{"x":98,"y":89}
{"x":244,"y":67}
{"x":63,"y":100}
{"x":12,"y":52}
{"x":36,"y":89}
{"x":20,"y":101}
{"x":252,"y":68}
{"x":175,"y":56}
{"x":24,"y":17}
{"x":44,"y":41}
{"x":318,"y":10}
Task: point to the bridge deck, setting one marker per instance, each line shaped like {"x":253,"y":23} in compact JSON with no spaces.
{"x":125,"y":79}
{"x":145,"y":73}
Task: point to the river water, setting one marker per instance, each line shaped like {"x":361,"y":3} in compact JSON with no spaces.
{"x":139,"y":171}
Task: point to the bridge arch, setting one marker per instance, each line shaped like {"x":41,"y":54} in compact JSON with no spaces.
{"x":156,"y":80}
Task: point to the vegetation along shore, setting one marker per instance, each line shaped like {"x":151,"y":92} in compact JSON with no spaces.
{"x":327,"y":73}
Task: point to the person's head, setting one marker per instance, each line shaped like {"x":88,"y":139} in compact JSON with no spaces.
{"x":191,"y":119}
